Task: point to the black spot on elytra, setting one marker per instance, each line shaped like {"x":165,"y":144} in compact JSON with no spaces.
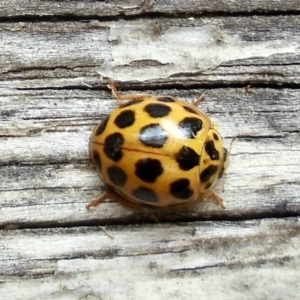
{"x":130,"y":103}
{"x":146,"y":195}
{"x":216,"y":138}
{"x":211,"y":150}
{"x":165,"y":99}
{"x":97,"y":161}
{"x":112,"y":146}
{"x":181,"y":189}
{"x":191,"y":110}
{"x":190,"y":126}
{"x":153,"y":135}
{"x":157,"y":110}
{"x":225,"y":154}
{"x":207,"y":173}
{"x":148,"y":169}
{"x":116,"y":175}
{"x":125,"y":118}
{"x":102,"y":126}
{"x":187,"y":158}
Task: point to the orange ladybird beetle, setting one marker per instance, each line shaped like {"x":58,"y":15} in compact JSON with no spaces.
{"x":157,"y":151}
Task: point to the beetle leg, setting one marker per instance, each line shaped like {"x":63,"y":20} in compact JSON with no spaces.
{"x":111,"y":194}
{"x":121,"y":97}
{"x":96,"y":201}
{"x":218,"y":200}
{"x":198,"y":100}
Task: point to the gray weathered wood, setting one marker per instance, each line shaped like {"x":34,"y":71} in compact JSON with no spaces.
{"x":256,"y":259}
{"x":211,"y":51}
{"x":11,"y":8}
{"x":56,"y":57}
{"x":45,"y":162}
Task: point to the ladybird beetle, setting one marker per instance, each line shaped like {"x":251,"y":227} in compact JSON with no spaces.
{"x":157,"y":151}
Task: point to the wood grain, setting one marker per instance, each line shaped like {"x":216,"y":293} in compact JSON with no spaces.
{"x":137,"y":8}
{"x":45,"y":161}
{"x":56,"y":58}
{"x":69,"y":55}
{"x":236,"y":260}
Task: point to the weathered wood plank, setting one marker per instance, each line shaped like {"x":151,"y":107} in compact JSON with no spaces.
{"x":42,"y":55}
{"x":37,"y":114}
{"x":46,"y":177}
{"x":47,"y":112}
{"x":207,"y":260}
{"x":81,"y":8}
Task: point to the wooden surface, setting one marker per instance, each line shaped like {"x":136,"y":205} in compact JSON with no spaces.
{"x":56,"y":57}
